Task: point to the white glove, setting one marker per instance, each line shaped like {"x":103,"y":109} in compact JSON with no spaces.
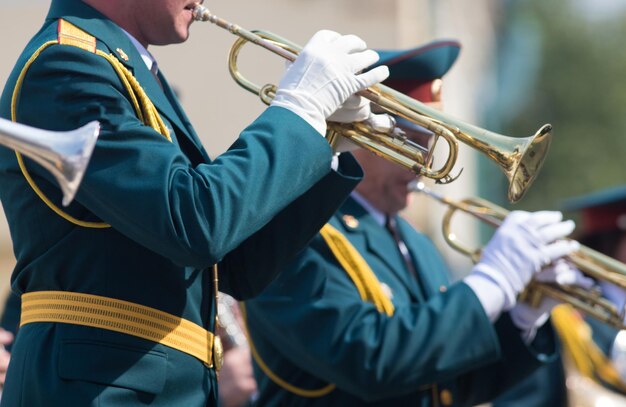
{"x":325,"y":75}
{"x":528,"y":318}
{"x":525,"y":243}
{"x":357,"y":109}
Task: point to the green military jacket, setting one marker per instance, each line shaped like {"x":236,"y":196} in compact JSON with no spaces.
{"x":173,"y":213}
{"x":311,"y":328}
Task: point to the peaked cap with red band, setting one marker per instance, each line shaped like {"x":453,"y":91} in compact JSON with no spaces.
{"x":600,"y":212}
{"x":412,"y":71}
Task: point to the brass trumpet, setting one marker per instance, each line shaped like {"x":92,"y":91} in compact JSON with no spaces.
{"x":590,"y":262}
{"x":519,"y":158}
{"x":64,"y":154}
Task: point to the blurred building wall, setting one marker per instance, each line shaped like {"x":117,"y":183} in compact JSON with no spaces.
{"x":219,"y":109}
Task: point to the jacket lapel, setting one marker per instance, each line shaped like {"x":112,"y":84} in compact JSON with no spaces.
{"x":432,"y":275}
{"x":163,"y":99}
{"x":379,"y":243}
{"x":428,"y":285}
{"x":180,"y":113}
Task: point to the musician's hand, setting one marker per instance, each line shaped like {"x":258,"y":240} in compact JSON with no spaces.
{"x":525,"y":243}
{"x":236,"y":380}
{"x":351,"y":111}
{"x":527,"y":318}
{"x":325,"y":74}
{"x":354,"y":109}
{"x":6,"y":338}
{"x":564,"y":273}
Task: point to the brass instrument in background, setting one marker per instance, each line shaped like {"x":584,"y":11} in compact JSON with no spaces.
{"x":230,"y":326}
{"x":64,"y":154}
{"x":519,"y":158}
{"x":590,"y":262}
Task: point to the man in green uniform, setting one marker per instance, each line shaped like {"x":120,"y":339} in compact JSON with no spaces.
{"x":118,"y":288}
{"x":366,"y":316}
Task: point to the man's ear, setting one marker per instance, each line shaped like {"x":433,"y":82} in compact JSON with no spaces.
{"x":435,"y":90}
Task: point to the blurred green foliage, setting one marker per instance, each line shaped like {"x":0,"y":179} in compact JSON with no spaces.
{"x":580,"y":88}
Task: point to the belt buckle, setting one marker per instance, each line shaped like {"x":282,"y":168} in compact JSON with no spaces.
{"x":218,"y":353}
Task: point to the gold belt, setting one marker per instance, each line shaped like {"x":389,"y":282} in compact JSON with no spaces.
{"x":123,"y":316}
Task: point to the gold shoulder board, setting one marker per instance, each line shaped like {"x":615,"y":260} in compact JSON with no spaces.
{"x":69,"y":34}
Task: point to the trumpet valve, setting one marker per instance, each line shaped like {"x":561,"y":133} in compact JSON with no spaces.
{"x":532,"y":295}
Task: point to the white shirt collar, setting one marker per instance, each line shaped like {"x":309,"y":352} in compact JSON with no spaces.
{"x":147,"y":57}
{"x":378,"y":216}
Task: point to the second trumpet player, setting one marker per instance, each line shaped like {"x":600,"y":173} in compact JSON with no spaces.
{"x":366,"y":315}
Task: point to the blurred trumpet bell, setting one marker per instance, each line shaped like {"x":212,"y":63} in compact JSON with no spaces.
{"x":64,"y":154}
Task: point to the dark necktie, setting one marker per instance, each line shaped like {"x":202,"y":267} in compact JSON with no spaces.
{"x":391,"y":226}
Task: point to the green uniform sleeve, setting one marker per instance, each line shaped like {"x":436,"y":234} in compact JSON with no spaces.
{"x":256,"y":261}
{"x":146,"y":188}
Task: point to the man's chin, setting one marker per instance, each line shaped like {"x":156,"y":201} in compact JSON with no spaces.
{"x":174,"y":38}
{"x":397,"y":206}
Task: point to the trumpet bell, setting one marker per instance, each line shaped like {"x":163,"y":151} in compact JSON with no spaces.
{"x":520,"y":158}
{"x":64,"y":154}
{"x":524,"y":162}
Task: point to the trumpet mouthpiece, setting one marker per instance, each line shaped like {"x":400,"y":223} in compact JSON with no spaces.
{"x":201,"y":13}
{"x":417,"y":186}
